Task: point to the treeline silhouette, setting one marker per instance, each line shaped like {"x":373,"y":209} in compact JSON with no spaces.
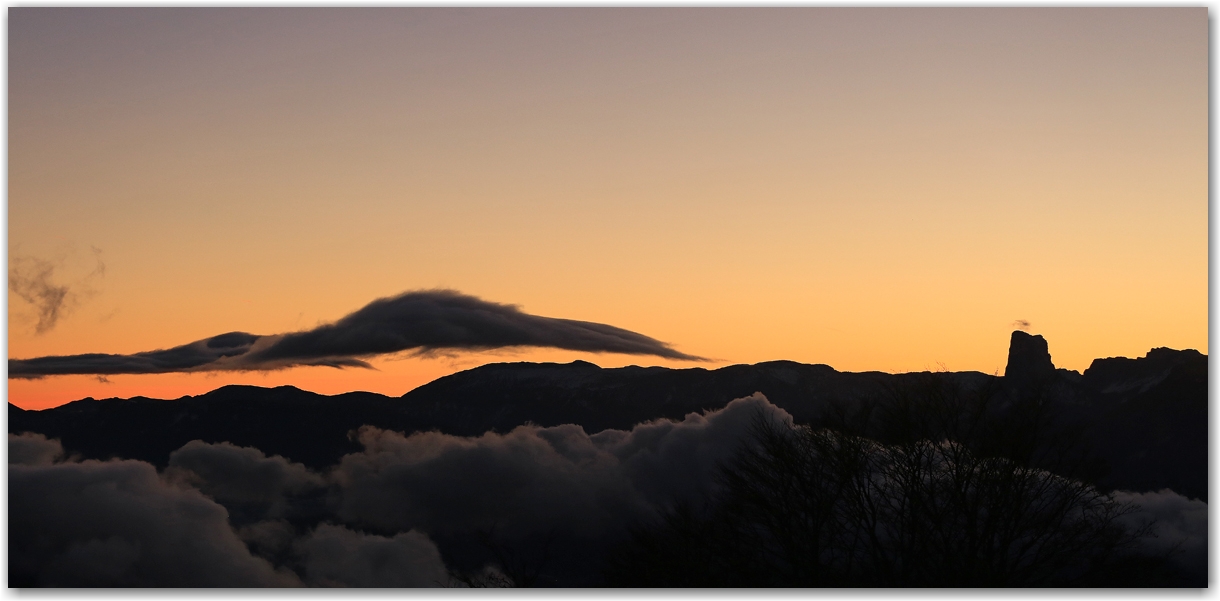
{"x":932,"y":485}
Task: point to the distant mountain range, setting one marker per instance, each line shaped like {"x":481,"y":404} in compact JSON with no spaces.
{"x":1145,"y":417}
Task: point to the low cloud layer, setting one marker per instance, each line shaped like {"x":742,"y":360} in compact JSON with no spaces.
{"x":336,"y":556}
{"x":408,"y":510}
{"x":114,"y":523}
{"x":118,"y":523}
{"x":1179,"y":528}
{"x":420,"y":322}
{"x":243,"y":479}
{"x":534,"y":480}
{"x":33,"y":449}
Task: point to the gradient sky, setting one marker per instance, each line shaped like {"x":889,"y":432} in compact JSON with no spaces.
{"x":874,"y":189}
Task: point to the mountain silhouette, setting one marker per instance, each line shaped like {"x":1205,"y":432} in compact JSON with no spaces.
{"x":1145,"y":417}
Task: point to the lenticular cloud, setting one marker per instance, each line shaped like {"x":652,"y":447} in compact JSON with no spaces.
{"x":421,"y":322}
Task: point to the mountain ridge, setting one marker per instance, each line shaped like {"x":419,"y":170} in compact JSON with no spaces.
{"x":1148,"y":414}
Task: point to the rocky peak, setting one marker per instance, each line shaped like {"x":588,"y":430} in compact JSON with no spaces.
{"x":1029,"y":360}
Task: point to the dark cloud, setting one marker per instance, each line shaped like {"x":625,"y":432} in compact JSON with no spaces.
{"x":336,"y":556}
{"x":117,"y":523}
{"x":586,"y":490}
{"x":535,"y":480}
{"x":1179,"y":527}
{"x":242,"y":477}
{"x":554,"y":497}
{"x":30,"y":448}
{"x":382,"y":517}
{"x":120,"y":523}
{"x":201,"y":355}
{"x":421,"y":322}
{"x":445,"y":319}
{"x":268,"y":538}
{"x":1021,"y":324}
{"x":33,"y":280}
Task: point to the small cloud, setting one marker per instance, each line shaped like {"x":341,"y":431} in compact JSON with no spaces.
{"x":37,"y":281}
{"x":1022,"y":324}
{"x":32,"y":448}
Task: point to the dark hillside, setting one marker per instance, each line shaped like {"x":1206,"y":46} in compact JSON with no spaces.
{"x":1146,"y":417}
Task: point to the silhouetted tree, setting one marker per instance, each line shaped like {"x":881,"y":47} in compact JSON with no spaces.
{"x":936,"y":486}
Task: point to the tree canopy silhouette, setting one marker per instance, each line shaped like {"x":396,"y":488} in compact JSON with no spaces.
{"x":935,"y":486}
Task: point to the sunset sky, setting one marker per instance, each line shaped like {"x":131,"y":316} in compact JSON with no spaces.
{"x":873,"y":189}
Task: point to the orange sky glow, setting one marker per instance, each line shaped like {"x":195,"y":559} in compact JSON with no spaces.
{"x":873,"y":189}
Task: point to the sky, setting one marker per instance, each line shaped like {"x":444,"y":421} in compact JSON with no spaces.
{"x":873,"y":189}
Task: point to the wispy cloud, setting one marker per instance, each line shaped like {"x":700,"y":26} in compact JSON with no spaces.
{"x":420,"y":322}
{"x":35,"y":281}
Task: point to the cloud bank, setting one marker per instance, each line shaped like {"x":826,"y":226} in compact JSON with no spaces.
{"x":420,"y":322}
{"x":115,"y":523}
{"x":533,"y":479}
{"x":407,"y":510}
{"x":243,"y":479}
{"x":1179,"y":527}
{"x":336,"y":556}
